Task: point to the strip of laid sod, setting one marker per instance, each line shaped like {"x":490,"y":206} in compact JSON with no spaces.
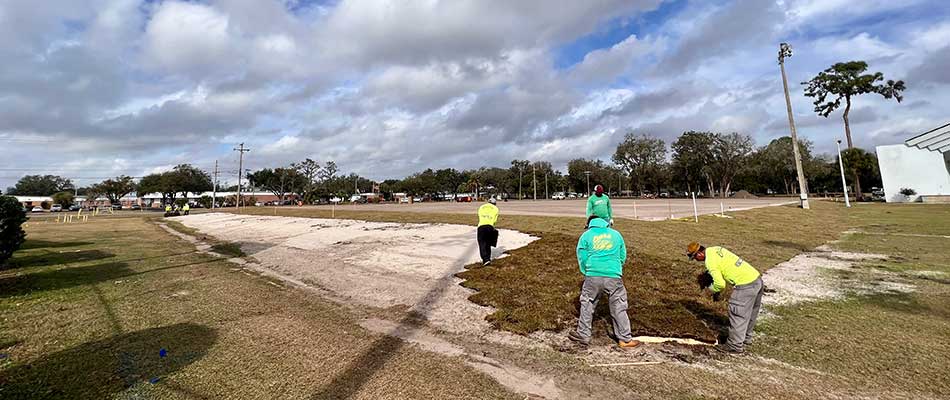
{"x":149,"y":317}
{"x":894,"y":342}
{"x":537,"y":287}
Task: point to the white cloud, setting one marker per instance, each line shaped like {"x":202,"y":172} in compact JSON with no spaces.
{"x":185,"y":36}
{"x":388,"y":87}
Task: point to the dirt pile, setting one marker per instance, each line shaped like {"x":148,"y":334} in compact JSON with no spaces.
{"x":743,"y":194}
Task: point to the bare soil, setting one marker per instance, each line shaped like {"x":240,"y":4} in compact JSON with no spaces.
{"x":378,"y":264}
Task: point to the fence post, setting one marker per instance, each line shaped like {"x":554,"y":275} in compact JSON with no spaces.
{"x":695,"y":211}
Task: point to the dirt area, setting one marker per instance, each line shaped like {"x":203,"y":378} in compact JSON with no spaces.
{"x":410,"y":266}
{"x":642,"y":209}
{"x":827,"y":275}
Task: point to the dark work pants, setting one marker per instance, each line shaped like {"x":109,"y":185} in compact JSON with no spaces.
{"x":487,"y":238}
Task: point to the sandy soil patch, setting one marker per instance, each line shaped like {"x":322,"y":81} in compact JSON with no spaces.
{"x":371,"y":263}
{"x":810,"y":277}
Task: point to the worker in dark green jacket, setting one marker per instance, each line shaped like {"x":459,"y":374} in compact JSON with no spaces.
{"x":598,"y":206}
{"x":601,"y":253}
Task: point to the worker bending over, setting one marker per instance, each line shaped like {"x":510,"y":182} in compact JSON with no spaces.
{"x":723,"y":266}
{"x":601,"y":253}
{"x":598,"y":206}
{"x":487,"y":234}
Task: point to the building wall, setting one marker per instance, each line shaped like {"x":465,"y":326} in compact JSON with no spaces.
{"x":903,"y":166}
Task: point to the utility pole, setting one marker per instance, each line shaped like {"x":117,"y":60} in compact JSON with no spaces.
{"x":785,"y":51}
{"x":588,"y":182}
{"x":844,"y":183}
{"x":241,"y":150}
{"x":546,"y":186}
{"x":534,"y":179}
{"x":214,"y":187}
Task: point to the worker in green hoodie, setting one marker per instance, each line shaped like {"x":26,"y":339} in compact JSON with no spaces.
{"x":598,"y":206}
{"x":601,"y":253}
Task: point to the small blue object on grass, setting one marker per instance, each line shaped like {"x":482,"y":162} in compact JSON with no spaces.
{"x":2,"y":356}
{"x":154,"y":380}
{"x":162,"y":353}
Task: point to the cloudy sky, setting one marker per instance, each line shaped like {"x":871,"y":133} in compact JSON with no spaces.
{"x":91,"y":89}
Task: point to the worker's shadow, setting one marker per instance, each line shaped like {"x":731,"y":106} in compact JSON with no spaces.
{"x":360,"y":371}
{"x":103,"y":368}
{"x":713,"y":318}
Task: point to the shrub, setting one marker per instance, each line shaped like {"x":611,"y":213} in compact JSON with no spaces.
{"x":12,"y":235}
{"x":908,"y":192}
{"x":205,"y":201}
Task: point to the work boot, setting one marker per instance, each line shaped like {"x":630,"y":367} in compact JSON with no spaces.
{"x":576,"y":338}
{"x":725,"y":348}
{"x":628,"y":345}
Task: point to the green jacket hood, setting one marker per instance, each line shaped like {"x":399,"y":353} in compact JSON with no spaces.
{"x":598,"y":223}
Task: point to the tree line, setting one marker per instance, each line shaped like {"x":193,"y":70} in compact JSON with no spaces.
{"x":709,"y":163}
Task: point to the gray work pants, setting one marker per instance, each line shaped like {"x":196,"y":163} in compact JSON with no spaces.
{"x":744,"y":307}
{"x":593,"y":287}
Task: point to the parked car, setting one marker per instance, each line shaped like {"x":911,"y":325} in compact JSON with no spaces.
{"x":136,"y":207}
{"x":335,"y":200}
{"x":558,"y":196}
{"x":417,"y":199}
{"x":37,"y":209}
{"x":117,"y":207}
{"x":74,"y":207}
{"x":404,"y":199}
{"x":56,"y":208}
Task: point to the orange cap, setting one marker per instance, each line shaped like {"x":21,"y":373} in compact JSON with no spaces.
{"x":691,"y":249}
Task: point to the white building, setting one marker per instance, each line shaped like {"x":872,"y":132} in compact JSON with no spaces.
{"x":922,"y":163}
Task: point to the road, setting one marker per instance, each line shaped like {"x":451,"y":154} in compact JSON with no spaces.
{"x":643,"y":209}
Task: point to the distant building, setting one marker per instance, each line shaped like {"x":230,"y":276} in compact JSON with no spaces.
{"x":922,"y":163}
{"x":34,"y":201}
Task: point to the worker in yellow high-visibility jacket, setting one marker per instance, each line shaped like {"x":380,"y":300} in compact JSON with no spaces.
{"x":723,"y":266}
{"x":487,"y":234}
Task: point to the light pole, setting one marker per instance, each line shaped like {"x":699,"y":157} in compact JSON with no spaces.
{"x":784,"y":52}
{"x":520,"y":174}
{"x":588,"y":182}
{"x":844,"y":183}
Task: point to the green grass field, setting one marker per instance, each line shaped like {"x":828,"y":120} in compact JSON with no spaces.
{"x":87,"y":308}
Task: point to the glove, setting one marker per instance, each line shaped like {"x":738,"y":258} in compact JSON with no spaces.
{"x":704,"y":280}
{"x":717,"y":297}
